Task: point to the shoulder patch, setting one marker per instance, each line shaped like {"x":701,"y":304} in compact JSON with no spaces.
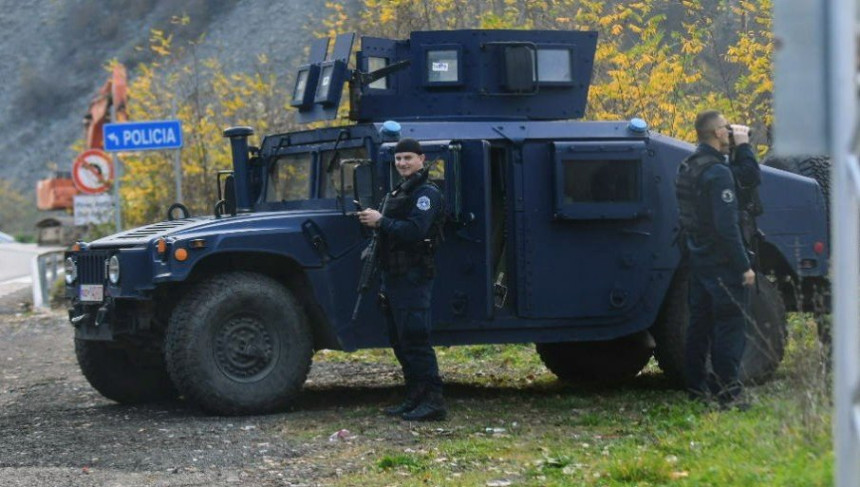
{"x":423,"y":203}
{"x":728,"y":195}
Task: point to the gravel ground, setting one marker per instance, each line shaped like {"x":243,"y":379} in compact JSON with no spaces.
{"x":55,"y":430}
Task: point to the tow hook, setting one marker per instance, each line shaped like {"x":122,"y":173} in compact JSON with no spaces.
{"x":103,"y":311}
{"x":76,"y":321}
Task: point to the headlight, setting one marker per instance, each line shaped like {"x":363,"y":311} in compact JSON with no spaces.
{"x":71,"y":270}
{"x":113,"y":269}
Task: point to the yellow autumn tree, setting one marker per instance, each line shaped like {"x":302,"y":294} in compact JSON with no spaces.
{"x":661,"y":60}
{"x":206,"y":99}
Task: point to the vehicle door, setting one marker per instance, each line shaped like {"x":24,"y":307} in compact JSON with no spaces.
{"x":584,"y":229}
{"x":463,"y":287}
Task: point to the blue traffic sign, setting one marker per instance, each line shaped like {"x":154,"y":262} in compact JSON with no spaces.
{"x":136,"y":136}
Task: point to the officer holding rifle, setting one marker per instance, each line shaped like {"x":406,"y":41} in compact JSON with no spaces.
{"x":409,"y":232}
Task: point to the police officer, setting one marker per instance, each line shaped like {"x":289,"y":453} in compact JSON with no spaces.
{"x":410,"y":229}
{"x":720,"y":270}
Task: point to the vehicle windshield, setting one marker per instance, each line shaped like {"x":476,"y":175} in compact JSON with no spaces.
{"x":289,"y":178}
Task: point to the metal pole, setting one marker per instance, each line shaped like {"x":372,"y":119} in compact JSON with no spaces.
{"x":177,"y":164}
{"x":117,"y":209}
{"x":177,"y":174}
{"x":845,"y":237}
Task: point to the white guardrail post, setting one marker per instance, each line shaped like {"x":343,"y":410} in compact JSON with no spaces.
{"x":815,"y":112}
{"x":45,"y":268}
{"x":845,"y":234}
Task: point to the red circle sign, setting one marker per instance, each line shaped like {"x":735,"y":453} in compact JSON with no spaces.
{"x":92,"y":171}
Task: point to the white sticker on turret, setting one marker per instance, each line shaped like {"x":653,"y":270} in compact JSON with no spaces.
{"x":439,"y":66}
{"x":423,"y":203}
{"x":728,"y":195}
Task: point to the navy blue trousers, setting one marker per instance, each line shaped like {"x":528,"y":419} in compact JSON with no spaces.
{"x":409,"y":325}
{"x":718,"y":320}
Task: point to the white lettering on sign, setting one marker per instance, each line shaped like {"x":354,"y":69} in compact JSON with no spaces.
{"x":439,"y":66}
{"x":93,"y":209}
{"x":149,"y":136}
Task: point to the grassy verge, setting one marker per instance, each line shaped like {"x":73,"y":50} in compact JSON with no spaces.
{"x":512,"y":423}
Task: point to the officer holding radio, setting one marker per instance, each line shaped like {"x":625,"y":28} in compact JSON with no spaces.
{"x":720,"y":269}
{"x":410,"y":230}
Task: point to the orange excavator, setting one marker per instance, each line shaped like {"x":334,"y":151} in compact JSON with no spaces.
{"x":58,"y":192}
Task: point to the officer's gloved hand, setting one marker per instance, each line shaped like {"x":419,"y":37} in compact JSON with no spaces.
{"x":749,"y":278}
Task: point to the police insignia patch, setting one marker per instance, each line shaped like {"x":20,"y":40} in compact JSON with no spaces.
{"x":423,"y":203}
{"x":728,"y":195}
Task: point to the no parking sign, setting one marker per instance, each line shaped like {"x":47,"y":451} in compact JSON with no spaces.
{"x":92,"y":171}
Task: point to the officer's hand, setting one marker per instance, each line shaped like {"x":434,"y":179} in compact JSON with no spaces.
{"x":749,"y":277}
{"x":369,"y":217}
{"x":741,"y":133}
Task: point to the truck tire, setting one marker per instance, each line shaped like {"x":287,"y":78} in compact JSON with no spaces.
{"x":120,"y":375}
{"x":765,"y":341}
{"x":238,"y":343}
{"x":600,"y":362}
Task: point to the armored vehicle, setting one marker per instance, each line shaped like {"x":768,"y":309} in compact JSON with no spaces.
{"x":558,"y":232}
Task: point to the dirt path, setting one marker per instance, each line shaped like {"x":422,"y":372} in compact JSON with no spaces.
{"x":55,"y":430}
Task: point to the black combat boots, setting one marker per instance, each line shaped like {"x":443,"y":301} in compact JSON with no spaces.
{"x":430,"y":408}
{"x":414,"y":394}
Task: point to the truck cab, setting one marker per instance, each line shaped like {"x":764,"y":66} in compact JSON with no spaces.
{"x":558,"y":231}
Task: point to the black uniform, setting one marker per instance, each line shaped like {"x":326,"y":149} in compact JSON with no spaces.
{"x":747,"y":174}
{"x":708,"y":204}
{"x":410,"y":230}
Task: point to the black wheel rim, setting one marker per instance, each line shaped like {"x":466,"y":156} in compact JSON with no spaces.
{"x":246,"y":348}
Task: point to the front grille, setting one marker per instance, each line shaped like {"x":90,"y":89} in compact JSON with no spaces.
{"x":91,"y":267}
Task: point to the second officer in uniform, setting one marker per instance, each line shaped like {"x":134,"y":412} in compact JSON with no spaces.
{"x":720,"y":271}
{"x":410,"y":230}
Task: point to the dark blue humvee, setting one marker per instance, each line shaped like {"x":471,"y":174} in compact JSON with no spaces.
{"x":559,"y":232}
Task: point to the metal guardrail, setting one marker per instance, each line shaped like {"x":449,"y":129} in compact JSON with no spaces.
{"x":45,"y":268}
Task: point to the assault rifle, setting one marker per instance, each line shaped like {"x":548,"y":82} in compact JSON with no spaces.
{"x":370,"y":255}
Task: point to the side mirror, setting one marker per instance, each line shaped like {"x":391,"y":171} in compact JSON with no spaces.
{"x":226,"y":194}
{"x":363,"y":184}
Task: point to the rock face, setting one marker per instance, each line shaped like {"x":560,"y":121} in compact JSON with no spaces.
{"x":53,"y":56}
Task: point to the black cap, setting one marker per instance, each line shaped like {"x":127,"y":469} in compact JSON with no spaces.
{"x":408,"y":145}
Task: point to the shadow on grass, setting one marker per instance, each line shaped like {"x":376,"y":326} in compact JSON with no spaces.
{"x":317,"y":398}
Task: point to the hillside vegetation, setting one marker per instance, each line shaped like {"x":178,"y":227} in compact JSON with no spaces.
{"x":57,"y":53}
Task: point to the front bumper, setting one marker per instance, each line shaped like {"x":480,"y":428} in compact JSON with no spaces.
{"x":100,"y":310}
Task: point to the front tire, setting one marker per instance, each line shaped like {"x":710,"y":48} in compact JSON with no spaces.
{"x":122,"y":375}
{"x":600,"y":362}
{"x":765,"y":340}
{"x":239,"y":343}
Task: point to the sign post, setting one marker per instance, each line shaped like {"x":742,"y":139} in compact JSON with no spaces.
{"x":141,"y":136}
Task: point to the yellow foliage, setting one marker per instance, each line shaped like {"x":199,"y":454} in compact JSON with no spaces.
{"x":206,"y":99}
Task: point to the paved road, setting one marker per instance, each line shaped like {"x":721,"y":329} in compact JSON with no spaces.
{"x":15,"y":260}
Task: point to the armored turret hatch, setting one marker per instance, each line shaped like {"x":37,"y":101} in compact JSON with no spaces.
{"x":451,"y":75}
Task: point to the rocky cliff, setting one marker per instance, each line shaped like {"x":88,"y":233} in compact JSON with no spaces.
{"x":53,"y":53}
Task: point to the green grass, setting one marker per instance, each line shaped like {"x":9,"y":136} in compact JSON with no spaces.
{"x":512,"y":423}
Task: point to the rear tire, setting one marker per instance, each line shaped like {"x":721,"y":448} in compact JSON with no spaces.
{"x":239,"y":343}
{"x":765,"y":341}
{"x":121,"y":375}
{"x":600,"y":362}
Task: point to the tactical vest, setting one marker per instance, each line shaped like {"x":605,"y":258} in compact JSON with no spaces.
{"x":400,"y":257}
{"x":687,"y":190}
